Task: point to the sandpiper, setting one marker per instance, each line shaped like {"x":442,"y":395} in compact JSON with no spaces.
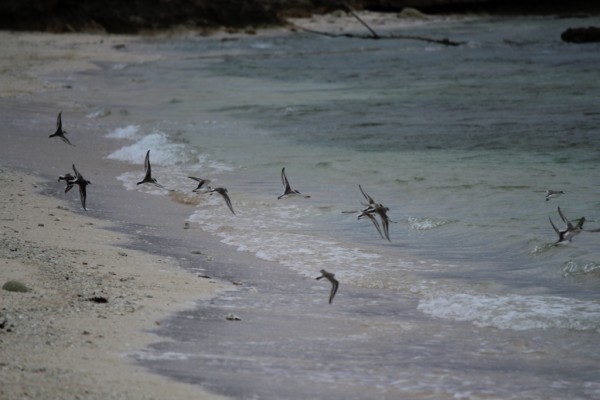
{"x":376,"y":208}
{"x":82,"y":183}
{"x":570,"y":231}
{"x":550,"y":194}
{"x":201,"y":183}
{"x":287,"y":189}
{"x":223,"y":192}
{"x":59,"y":130}
{"x":69,"y":180}
{"x":334,"y":283}
{"x":148,"y":177}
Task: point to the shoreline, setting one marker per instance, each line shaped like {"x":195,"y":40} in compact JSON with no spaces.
{"x":97,"y":291}
{"x":92,"y":302}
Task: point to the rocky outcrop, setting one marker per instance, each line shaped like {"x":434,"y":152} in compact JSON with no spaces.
{"x":581,"y":35}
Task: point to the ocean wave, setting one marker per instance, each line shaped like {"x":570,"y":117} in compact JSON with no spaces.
{"x":127,"y":132}
{"x":163,"y":151}
{"x":514,"y":312}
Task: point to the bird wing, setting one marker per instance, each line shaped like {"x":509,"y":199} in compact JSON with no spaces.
{"x":284,"y":180}
{"x":147,"y":165}
{"x":334,"y":288}
{"x":385,"y":222}
{"x":82,"y":195}
{"x":227,"y":199}
{"x":375,"y":223}
{"x":553,"y":226}
{"x":59,"y":122}
{"x":369,"y":198}
{"x":565,"y":219}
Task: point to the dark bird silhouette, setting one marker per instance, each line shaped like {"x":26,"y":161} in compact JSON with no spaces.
{"x":82,"y":183}
{"x":59,"y":130}
{"x":69,"y":180}
{"x":222,"y":192}
{"x":287,"y":189}
{"x":334,"y":283}
{"x":148,"y":176}
{"x":373,"y":208}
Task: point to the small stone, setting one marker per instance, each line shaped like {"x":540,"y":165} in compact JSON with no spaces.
{"x":40,"y":224}
{"x":232,"y":317}
{"x":15,"y":286}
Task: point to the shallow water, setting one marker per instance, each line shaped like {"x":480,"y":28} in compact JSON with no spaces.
{"x":470,"y":299}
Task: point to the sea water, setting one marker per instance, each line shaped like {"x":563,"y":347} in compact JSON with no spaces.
{"x":470,"y":298}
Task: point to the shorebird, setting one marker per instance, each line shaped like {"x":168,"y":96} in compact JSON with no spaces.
{"x":148,"y":177}
{"x":550,"y":194}
{"x":570,"y":231}
{"x":68,"y":178}
{"x":59,"y":130}
{"x":287,"y":189}
{"x":81,"y":182}
{"x":334,"y":283}
{"x":376,"y":208}
{"x":201,"y":183}
{"x":223,"y":192}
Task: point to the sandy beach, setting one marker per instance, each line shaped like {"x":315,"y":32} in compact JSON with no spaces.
{"x":91,"y":301}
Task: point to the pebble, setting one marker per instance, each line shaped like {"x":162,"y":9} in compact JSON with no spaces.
{"x":15,"y":286}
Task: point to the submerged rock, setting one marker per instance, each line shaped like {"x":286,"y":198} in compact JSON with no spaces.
{"x":581,"y":35}
{"x":15,"y":286}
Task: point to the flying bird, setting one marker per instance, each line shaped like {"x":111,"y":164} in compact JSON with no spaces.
{"x":68,"y":178}
{"x":59,"y":130}
{"x":148,"y":177}
{"x":201,"y":183}
{"x":223,"y":192}
{"x":81,"y":182}
{"x":570,"y":230}
{"x":373,"y":208}
{"x":287,"y":189}
{"x":334,"y":283}
{"x":550,"y":194}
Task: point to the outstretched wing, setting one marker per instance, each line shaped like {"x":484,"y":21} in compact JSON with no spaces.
{"x":553,"y":226}
{"x":147,"y":165}
{"x":367,"y":197}
{"x":284,"y":180}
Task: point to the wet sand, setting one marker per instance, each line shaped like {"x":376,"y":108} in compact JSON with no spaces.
{"x":94,"y":295}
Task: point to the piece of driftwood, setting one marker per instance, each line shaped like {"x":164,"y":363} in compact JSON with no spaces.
{"x":373,"y":35}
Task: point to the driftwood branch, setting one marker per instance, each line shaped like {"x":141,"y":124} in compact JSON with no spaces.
{"x":355,"y":15}
{"x":374,"y":35}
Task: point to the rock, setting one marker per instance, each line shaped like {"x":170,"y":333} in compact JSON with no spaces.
{"x":15,"y":286}
{"x":232,"y":317}
{"x":581,"y":35}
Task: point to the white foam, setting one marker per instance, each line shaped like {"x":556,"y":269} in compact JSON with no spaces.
{"x":163,"y":151}
{"x":275,"y":233}
{"x":127,"y":132}
{"x":425,"y":224}
{"x":514,"y":312}
{"x":169,"y":355}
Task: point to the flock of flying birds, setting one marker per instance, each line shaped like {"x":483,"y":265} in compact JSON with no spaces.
{"x":371,"y":211}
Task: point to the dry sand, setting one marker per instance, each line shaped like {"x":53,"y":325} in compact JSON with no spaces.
{"x":91,"y":301}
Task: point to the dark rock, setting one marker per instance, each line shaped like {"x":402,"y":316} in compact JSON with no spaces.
{"x":15,"y":286}
{"x":98,"y":299}
{"x":581,"y":35}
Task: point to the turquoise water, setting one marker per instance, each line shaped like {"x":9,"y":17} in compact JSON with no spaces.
{"x":470,"y":299}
